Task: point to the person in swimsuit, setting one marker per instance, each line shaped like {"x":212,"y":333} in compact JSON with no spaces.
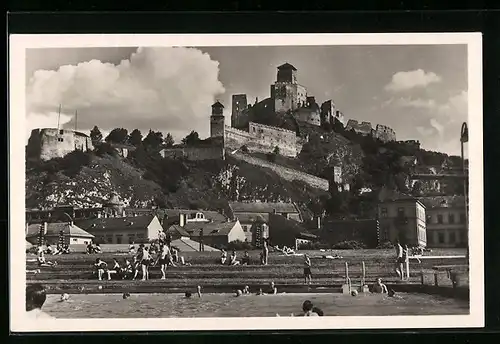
{"x":145,"y":262}
{"x":265,"y":252}
{"x":36,"y":295}
{"x":101,"y":267}
{"x":272,"y":289}
{"x":163,"y":260}
{"x":42,"y":261}
{"x":138,"y":260}
{"x":246,"y":259}
{"x":399,"y":259}
{"x":379,"y":287}
{"x":128,"y":269}
{"x":307,"y":308}
{"x":223,"y":257}
{"x":232,"y":259}
{"x":307,"y":270}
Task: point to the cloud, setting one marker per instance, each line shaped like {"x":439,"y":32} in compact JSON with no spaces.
{"x":402,"y":81}
{"x":166,"y":89}
{"x":408,"y":102}
{"x":424,"y":131}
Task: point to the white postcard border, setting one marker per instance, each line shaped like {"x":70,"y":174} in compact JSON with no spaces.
{"x":17,"y":46}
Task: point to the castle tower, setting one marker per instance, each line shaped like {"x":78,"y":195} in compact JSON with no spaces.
{"x":286,"y":92}
{"x":217,"y":120}
{"x":239,"y":104}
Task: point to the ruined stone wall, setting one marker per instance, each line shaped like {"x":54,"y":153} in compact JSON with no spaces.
{"x":49,"y":143}
{"x":363,"y":128}
{"x":307,"y":115}
{"x":285,"y":97}
{"x":195,"y":153}
{"x":384,"y":133}
{"x":285,"y":172}
{"x":263,"y":139}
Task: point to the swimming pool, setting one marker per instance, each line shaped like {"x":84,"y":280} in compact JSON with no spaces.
{"x":227,"y":305}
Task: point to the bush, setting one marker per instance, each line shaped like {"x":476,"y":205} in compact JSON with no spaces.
{"x":314,"y":246}
{"x":239,"y":246}
{"x":32,"y":250}
{"x":385,"y":245}
{"x":349,"y":245}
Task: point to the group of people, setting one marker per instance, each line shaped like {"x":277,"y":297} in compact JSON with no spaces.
{"x":93,"y":248}
{"x":245,"y":260}
{"x":59,"y":249}
{"x":144,"y":258}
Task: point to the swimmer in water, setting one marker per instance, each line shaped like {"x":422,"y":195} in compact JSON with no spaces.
{"x":64,"y":297}
{"x":379,"y":287}
{"x":238,"y":293}
{"x":187,"y":295}
{"x":272,"y":289}
{"x":126,"y":296}
{"x":246,"y":290}
{"x":260,"y":292}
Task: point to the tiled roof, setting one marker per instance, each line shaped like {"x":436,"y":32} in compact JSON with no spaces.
{"x":117,"y":223}
{"x":262,"y":207}
{"x":209,"y":229}
{"x":173,"y":215}
{"x":174,"y":229}
{"x":188,"y":245}
{"x":246,"y":218}
{"x":443,"y":201}
{"x":287,"y":66}
{"x":55,"y":229}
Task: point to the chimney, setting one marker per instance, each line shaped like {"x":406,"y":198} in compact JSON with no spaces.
{"x":182,"y":219}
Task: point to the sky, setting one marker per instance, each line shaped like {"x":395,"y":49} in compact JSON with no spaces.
{"x":418,"y":90}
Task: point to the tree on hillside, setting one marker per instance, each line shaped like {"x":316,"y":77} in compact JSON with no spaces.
{"x":135,"y":138}
{"x":276,"y":150}
{"x":117,"y":135}
{"x":168,"y":141}
{"x":96,"y":136}
{"x":191,"y":139}
{"x":106,"y":149}
{"x":153,"y":140}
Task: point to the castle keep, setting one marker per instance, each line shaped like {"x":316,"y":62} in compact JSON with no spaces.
{"x":48,"y":143}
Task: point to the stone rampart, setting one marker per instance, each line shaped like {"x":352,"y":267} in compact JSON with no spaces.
{"x":285,"y":172}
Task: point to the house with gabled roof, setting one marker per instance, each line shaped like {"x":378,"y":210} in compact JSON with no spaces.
{"x":73,"y":235}
{"x":215,"y":234}
{"x":123,"y":230}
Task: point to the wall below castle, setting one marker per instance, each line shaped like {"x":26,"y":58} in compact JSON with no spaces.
{"x":194,"y":153}
{"x":285,"y":172}
{"x":308,"y":115}
{"x":263,"y":139}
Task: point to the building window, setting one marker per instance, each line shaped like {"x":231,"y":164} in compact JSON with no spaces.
{"x":401,"y":212}
{"x":119,"y":239}
{"x":462,"y":218}
{"x":60,"y":139}
{"x":441,"y":237}
{"x":75,"y":239}
{"x":61,"y":132}
{"x":453,"y":238}
{"x":383,"y":212}
{"x":440,"y":218}
{"x":451,"y":218}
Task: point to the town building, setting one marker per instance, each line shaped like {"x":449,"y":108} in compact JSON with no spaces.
{"x":183,"y":216}
{"x":185,"y":244}
{"x":48,"y":143}
{"x":284,"y":231}
{"x":403,"y":219}
{"x":123,"y":230}
{"x":446,"y":221}
{"x":217,"y":235}
{"x":249,"y":212}
{"x":72,"y":234}
{"x":123,"y":150}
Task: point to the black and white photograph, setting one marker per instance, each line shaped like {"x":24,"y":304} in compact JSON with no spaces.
{"x":237,"y":178}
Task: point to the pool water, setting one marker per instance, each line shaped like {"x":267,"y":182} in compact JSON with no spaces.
{"x":227,"y":305}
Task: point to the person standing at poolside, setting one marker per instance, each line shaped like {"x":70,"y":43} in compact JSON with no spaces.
{"x":399,"y":259}
{"x":202,"y":246}
{"x":379,"y":287}
{"x":145,"y":262}
{"x":307,"y":270}
{"x":36,"y":295}
{"x":265,"y":252}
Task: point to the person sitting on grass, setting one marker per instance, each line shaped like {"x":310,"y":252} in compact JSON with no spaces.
{"x":223,"y":257}
{"x":127,"y":269}
{"x":101,"y":268}
{"x":36,"y":295}
{"x":246,"y":259}
{"x":307,"y":308}
{"x":49,"y":250}
{"x":318,"y":311}
{"x":246,"y":290}
{"x":97,"y":248}
{"x":42,"y":261}
{"x":117,"y":269}
{"x":379,"y":287}
{"x":232,"y":259}
{"x":65,"y":249}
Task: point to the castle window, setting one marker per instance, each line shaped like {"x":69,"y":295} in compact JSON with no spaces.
{"x":60,"y":139}
{"x":61,"y":132}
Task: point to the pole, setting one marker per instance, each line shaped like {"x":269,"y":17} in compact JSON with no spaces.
{"x":76,"y":118}
{"x":363,"y":274}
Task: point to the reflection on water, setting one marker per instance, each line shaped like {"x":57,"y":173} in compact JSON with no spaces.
{"x":226,"y":305}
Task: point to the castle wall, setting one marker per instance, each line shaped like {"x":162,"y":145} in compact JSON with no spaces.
{"x":285,"y":98}
{"x":263,"y":139}
{"x":307,"y":115}
{"x":363,"y":128}
{"x":384,"y":133}
{"x":194,"y":153}
{"x":239,"y":104}
{"x":49,"y":143}
{"x":285,"y":172}
{"x":217,"y":126}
